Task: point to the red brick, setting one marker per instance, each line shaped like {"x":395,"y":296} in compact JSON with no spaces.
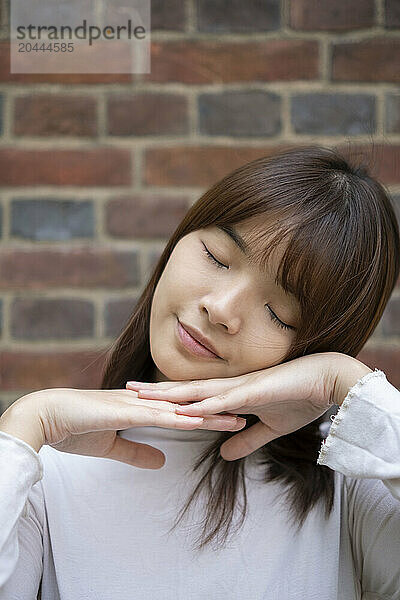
{"x":387,"y":359}
{"x":94,"y":167}
{"x":202,"y":166}
{"x":32,"y":371}
{"x":375,"y":59}
{"x":55,"y":115}
{"x":77,"y":267}
{"x":148,"y":114}
{"x":144,"y":215}
{"x":198,"y":166}
{"x":67,"y":78}
{"x":325,"y":15}
{"x":383,"y":160}
{"x":206,"y":61}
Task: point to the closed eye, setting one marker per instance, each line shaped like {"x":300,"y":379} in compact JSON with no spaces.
{"x":271,"y":313}
{"x":276,"y":319}
{"x":212,"y":258}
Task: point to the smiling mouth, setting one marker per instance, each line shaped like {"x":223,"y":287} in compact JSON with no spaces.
{"x":191,"y":344}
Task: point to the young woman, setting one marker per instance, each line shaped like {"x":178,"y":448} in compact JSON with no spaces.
{"x":262,"y":298}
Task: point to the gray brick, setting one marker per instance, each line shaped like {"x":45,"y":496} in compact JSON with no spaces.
{"x":168,"y":15}
{"x":396,"y":204}
{"x":332,"y":114}
{"x":46,"y":318}
{"x":1,"y":114}
{"x":391,"y":318}
{"x":116,"y":315}
{"x":392,"y":14}
{"x":50,"y":219}
{"x":237,"y":15}
{"x":253,"y":113}
{"x":152,"y":260}
{"x":392,"y":113}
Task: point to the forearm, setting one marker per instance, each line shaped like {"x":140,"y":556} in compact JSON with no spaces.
{"x":21,"y":421}
{"x":346,"y":371}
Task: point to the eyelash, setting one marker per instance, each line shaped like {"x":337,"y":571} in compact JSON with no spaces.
{"x":217,"y":263}
{"x":272,"y":315}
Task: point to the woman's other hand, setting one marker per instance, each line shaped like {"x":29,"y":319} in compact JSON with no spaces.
{"x":86,"y":422}
{"x":285,"y":397}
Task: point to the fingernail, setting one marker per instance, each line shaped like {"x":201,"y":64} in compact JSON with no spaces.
{"x":194,"y":420}
{"x":232,"y":420}
{"x":223,"y":422}
{"x":138,"y":383}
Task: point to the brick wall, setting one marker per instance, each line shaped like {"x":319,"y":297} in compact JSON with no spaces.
{"x":97,"y":170}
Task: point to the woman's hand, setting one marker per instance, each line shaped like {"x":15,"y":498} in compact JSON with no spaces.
{"x":285,"y":397}
{"x":86,"y":422}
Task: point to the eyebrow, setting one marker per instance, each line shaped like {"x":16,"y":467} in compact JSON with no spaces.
{"x":236,"y":237}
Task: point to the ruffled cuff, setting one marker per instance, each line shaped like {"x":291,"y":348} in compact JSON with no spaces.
{"x":364,"y":438}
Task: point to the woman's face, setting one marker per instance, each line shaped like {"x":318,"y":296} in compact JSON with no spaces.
{"x":233,"y":306}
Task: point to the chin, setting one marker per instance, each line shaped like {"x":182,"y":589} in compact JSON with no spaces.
{"x":167,"y":366}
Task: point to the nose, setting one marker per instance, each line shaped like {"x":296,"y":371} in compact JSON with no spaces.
{"x":227,"y":307}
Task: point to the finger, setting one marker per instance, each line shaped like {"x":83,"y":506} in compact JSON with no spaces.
{"x":156,"y":417}
{"x":239,"y":400}
{"x":135,"y":385}
{"x":246,"y":442}
{"x":170,"y":406}
{"x":219,"y":422}
{"x":157,"y":385}
{"x":167,"y":405}
{"x":224,"y":403}
{"x":223,"y":423}
{"x":136,"y":454}
{"x":192,"y":391}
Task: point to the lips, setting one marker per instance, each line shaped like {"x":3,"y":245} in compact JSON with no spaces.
{"x":199,"y":337}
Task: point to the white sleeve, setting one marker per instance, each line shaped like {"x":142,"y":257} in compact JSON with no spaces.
{"x":364,"y":444}
{"x":21,"y":519}
{"x":364,"y":438}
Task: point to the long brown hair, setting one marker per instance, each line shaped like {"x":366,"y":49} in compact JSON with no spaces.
{"x":341,"y":262}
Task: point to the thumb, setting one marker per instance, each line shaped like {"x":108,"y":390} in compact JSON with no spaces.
{"x":247,"y":441}
{"x":136,"y":454}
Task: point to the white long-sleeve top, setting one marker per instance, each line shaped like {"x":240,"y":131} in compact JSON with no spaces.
{"x":97,"y":529}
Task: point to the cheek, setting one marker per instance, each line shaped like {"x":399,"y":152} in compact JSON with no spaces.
{"x":173,"y":288}
{"x":263,"y":345}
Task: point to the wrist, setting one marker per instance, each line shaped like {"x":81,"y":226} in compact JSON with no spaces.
{"x":21,"y":422}
{"x":346,"y":371}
